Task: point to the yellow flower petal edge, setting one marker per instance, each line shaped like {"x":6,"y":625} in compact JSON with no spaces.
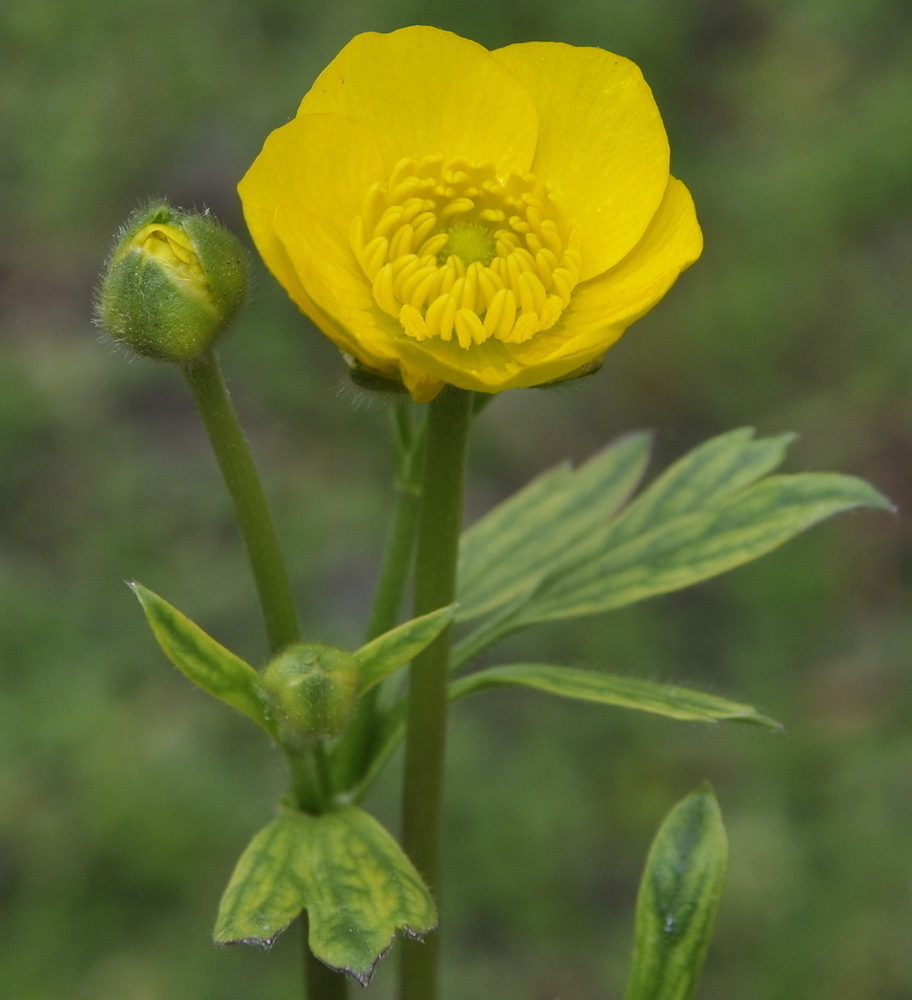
{"x":601,"y":143}
{"x":492,"y":220}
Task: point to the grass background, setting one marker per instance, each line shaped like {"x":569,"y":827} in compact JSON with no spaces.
{"x":125,"y":796}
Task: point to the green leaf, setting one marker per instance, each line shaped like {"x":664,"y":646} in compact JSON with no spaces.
{"x":666,"y":700}
{"x":203,"y":660}
{"x":345,"y":869}
{"x":546,"y":524}
{"x":678,"y":900}
{"x":392,"y":650}
{"x":612,"y":689}
{"x":705,"y":515}
{"x":696,"y":546}
{"x":704,"y":477}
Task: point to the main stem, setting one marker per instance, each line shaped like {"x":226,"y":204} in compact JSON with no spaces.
{"x":232,"y":453}
{"x":435,"y":586}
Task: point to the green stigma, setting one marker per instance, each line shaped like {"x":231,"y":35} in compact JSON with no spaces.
{"x":471,"y":241}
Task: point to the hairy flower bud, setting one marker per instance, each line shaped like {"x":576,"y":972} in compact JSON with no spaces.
{"x":173,"y":283}
{"x":315,"y":690}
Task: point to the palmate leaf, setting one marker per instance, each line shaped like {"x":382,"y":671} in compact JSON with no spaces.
{"x":707,"y":475}
{"x":612,"y":689}
{"x":678,"y":900}
{"x":508,"y":552}
{"x":349,"y":874}
{"x":685,"y":550}
{"x":710,"y":512}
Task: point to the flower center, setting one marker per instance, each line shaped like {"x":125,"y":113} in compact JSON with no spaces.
{"x":453,"y":251}
{"x":471,"y":241}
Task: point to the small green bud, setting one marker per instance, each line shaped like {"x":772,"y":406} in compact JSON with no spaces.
{"x":314,"y":690}
{"x":173,"y":283}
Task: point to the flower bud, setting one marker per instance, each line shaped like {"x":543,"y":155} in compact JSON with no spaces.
{"x":315,"y":691}
{"x":173,"y":283}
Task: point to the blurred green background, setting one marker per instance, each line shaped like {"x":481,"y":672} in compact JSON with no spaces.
{"x":125,"y":795}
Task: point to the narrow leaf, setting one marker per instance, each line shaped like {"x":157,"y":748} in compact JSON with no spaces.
{"x":704,"y":477}
{"x":345,"y":869}
{"x":612,"y":689}
{"x":392,"y":650}
{"x":203,"y":660}
{"x":697,"y":546}
{"x":666,"y":700}
{"x":678,"y":900}
{"x":507,"y":552}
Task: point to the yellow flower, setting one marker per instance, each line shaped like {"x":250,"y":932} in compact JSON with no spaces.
{"x":446,"y":214}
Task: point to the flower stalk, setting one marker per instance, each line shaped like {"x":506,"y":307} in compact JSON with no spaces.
{"x":207,"y":386}
{"x":437,"y":554}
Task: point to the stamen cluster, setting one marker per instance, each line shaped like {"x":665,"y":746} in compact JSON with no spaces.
{"x":453,"y":251}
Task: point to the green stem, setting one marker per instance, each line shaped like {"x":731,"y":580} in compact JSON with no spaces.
{"x":354,"y":754}
{"x":435,"y":586}
{"x":232,"y":452}
{"x":397,"y":559}
{"x":309,"y":778}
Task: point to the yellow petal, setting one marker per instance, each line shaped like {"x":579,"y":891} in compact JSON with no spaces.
{"x":426,"y":92}
{"x":298,"y":162}
{"x":338,"y":296}
{"x":622,"y":295}
{"x":484,"y":367}
{"x":601,"y":144}
{"x":299,"y":201}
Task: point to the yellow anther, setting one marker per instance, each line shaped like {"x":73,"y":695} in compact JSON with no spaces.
{"x":469,"y":328}
{"x":390,"y":219}
{"x":501,"y":314}
{"x":376,"y":254}
{"x":402,"y":241}
{"x":417,"y":288}
{"x":383,"y":290}
{"x":413,"y":323}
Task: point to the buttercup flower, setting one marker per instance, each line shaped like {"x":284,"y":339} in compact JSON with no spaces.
{"x":446,"y":214}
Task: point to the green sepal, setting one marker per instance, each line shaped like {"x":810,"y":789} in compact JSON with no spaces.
{"x":612,"y":689}
{"x":204,"y":661}
{"x":388,"y":652}
{"x":546,"y":525}
{"x":678,"y":900}
{"x":349,"y":874}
